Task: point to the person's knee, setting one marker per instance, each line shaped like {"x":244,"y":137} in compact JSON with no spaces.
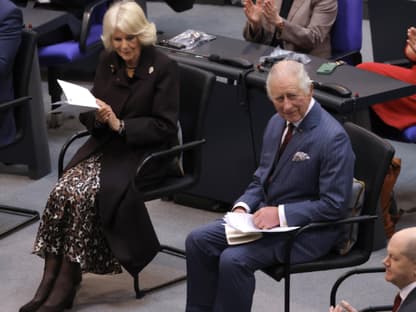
{"x":192,"y":240}
{"x":230,"y":261}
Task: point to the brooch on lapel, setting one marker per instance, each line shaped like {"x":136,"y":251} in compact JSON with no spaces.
{"x":151,"y":69}
{"x":112,"y":68}
{"x":300,"y":156}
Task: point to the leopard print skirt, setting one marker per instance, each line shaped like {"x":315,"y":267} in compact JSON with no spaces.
{"x":70,"y":225}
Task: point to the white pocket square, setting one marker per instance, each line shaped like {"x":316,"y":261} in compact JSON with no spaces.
{"x":300,"y":156}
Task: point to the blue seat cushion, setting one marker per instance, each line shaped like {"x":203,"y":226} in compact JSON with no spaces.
{"x":410,"y":134}
{"x":68,"y":51}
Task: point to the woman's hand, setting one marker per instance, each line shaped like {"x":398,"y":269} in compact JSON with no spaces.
{"x":105,"y":115}
{"x":411,"y":38}
{"x":270,"y":12}
{"x":253,"y":11}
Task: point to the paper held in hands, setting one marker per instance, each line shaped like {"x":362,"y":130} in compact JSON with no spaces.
{"x":77,"y":95}
{"x":240,"y":229}
{"x":244,"y":223}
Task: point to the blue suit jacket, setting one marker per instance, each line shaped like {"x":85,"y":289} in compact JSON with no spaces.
{"x":11,"y":23}
{"x":313,"y":177}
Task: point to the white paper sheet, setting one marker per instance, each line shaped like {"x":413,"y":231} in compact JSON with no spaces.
{"x":244,"y":223}
{"x":77,"y":95}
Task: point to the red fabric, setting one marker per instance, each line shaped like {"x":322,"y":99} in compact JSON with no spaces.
{"x":399,"y":113}
{"x":397,"y":302}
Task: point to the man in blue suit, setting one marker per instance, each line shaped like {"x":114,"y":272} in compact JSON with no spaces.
{"x":310,"y":181}
{"x":11,"y":23}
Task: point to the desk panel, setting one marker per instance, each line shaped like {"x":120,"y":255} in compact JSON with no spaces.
{"x":43,"y":21}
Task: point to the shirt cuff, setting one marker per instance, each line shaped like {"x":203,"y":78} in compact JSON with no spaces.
{"x":282,"y":216}
{"x":243,"y":205}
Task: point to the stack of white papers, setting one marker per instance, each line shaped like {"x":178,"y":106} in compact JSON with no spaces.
{"x":244,"y":223}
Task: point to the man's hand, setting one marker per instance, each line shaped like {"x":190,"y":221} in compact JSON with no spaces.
{"x":343,"y":306}
{"x":270,"y":12}
{"x":253,"y":11}
{"x":105,"y":115}
{"x":239,"y":210}
{"x":266,"y":217}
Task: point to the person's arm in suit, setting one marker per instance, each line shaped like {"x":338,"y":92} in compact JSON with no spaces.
{"x":11,"y":24}
{"x":307,"y":37}
{"x":310,"y":25}
{"x":335,"y":183}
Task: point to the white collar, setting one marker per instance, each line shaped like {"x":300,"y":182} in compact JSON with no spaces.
{"x":297,"y":123}
{"x":405,"y":291}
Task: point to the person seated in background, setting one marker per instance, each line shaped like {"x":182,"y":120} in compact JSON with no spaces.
{"x":298,"y":25}
{"x":302,"y":180}
{"x":95,"y":219}
{"x":11,"y":25}
{"x":397,"y":118}
{"x":400,"y":264}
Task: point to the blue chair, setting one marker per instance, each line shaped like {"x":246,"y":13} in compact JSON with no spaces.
{"x":346,"y":34}
{"x":59,"y":55}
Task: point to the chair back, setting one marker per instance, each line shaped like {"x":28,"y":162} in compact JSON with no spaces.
{"x":23,"y":63}
{"x":195,"y":89}
{"x":21,"y":78}
{"x":373,"y":157}
{"x":346,"y":33}
{"x":92,"y":24}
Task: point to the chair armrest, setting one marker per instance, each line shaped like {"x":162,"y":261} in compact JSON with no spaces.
{"x":86,"y":23}
{"x":175,"y":150}
{"x":316,"y":225}
{"x":342,"y":278}
{"x":14,"y":103}
{"x":65,"y":147}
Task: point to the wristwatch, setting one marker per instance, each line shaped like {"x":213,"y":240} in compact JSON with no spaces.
{"x":121,"y":129}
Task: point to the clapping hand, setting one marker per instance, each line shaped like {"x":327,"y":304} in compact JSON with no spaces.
{"x":411,"y":38}
{"x":270,"y":12}
{"x":253,"y":11}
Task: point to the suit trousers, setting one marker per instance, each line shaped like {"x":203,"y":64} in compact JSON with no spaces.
{"x":221,"y":277}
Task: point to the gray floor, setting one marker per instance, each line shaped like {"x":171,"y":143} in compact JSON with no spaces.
{"x":20,"y":271}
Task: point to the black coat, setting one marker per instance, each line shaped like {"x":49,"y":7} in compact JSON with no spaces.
{"x":149,"y":106}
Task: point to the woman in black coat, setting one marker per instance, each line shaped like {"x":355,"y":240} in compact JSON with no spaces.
{"x":95,"y":220}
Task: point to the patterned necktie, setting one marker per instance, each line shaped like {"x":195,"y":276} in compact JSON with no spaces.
{"x":288,"y":137}
{"x":397,"y":302}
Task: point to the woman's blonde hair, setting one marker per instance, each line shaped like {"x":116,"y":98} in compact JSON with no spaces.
{"x":127,"y":17}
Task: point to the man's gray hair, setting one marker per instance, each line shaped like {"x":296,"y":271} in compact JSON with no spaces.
{"x":290,"y":68}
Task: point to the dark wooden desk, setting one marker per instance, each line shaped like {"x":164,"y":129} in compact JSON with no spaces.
{"x":235,"y":123}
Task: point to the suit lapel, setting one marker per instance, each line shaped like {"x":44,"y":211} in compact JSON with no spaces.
{"x":274,"y":145}
{"x":295,"y":7}
{"x":310,"y":122}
